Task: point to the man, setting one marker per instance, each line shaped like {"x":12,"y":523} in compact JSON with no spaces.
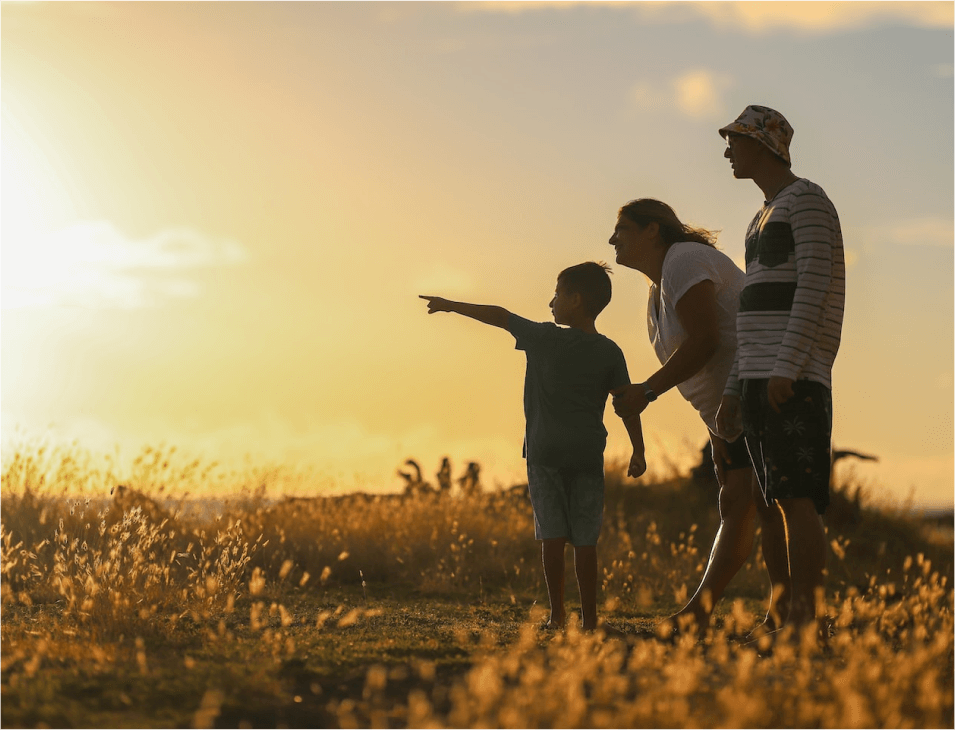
{"x":788,"y":328}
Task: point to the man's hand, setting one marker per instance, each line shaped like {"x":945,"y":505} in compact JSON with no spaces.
{"x":436,"y":304}
{"x":638,"y":465}
{"x":629,"y":400}
{"x":721,"y":458}
{"x":778,"y":391}
{"x":727,"y":417}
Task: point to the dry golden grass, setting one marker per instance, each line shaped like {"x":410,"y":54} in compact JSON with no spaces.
{"x":422,"y":611}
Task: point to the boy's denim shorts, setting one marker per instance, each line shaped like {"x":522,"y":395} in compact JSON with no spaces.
{"x":791,"y":450}
{"x":567,"y":502}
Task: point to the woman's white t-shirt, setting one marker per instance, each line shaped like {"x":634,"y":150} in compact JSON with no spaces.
{"x":685,"y":265}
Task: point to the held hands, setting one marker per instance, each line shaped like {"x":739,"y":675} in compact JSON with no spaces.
{"x":629,"y":400}
{"x":436,"y":304}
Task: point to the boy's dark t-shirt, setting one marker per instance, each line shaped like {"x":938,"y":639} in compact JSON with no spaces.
{"x":569,"y":375}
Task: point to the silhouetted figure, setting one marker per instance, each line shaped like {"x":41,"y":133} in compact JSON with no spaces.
{"x":470,"y":483}
{"x":414,"y":484}
{"x":789,"y":327}
{"x":564,"y":436}
{"x":444,"y":476}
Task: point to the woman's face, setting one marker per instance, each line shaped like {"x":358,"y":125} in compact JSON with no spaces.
{"x":632,"y":242}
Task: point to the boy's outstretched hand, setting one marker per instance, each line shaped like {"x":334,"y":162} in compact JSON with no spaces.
{"x":638,"y":465}
{"x":436,"y":304}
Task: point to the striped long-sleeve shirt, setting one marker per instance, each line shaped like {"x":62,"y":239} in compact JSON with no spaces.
{"x":789,"y":322}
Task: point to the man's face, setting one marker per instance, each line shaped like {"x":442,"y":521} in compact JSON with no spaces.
{"x":744,"y":154}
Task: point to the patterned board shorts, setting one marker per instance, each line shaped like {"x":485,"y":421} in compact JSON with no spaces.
{"x":791,"y":450}
{"x":567,"y":502}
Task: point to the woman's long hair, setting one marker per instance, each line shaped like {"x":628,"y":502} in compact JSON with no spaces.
{"x":647,"y":210}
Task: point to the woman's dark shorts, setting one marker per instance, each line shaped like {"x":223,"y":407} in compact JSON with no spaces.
{"x":791,"y":450}
{"x":738,"y":455}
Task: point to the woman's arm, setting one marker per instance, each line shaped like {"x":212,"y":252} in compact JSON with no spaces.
{"x":697,"y":312}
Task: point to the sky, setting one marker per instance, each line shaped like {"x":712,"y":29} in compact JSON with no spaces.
{"x":217,"y":217}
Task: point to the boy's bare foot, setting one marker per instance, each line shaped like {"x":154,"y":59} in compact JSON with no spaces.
{"x":551,"y":625}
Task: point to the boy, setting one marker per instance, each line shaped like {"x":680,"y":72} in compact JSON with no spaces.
{"x":570,"y":372}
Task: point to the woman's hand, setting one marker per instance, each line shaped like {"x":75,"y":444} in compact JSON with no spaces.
{"x":721,"y":458}
{"x":629,"y":400}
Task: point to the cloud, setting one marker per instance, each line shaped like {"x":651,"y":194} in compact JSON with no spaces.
{"x":760,"y":17}
{"x":697,"y":93}
{"x":933,"y":232}
{"x":824,"y":17}
{"x":94,"y":265}
{"x":937,"y":232}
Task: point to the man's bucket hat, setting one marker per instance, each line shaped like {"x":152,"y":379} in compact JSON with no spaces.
{"x":766,"y":125}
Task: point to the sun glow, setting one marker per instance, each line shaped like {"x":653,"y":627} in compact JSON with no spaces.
{"x":34,"y":198}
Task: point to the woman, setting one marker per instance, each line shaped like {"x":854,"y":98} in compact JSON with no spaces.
{"x":691,"y":321}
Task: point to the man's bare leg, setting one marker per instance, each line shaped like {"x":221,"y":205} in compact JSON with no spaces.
{"x":552,"y":556}
{"x":585,"y":564}
{"x":806,"y":542}
{"x":731,"y":546}
{"x":776,"y":557}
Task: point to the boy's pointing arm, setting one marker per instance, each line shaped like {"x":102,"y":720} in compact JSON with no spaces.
{"x":488,"y":314}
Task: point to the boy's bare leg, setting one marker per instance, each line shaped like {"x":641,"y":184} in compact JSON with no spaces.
{"x":585,"y":564}
{"x":806,"y":540}
{"x":552,"y":556}
{"x":776,"y":557}
{"x":731,"y":547}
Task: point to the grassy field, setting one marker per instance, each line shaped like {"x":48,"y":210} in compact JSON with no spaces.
{"x":423,"y":611}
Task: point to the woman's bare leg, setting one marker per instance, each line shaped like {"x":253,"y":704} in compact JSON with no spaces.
{"x":731,"y":546}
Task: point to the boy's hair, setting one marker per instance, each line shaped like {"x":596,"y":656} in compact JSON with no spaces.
{"x":592,"y":282}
